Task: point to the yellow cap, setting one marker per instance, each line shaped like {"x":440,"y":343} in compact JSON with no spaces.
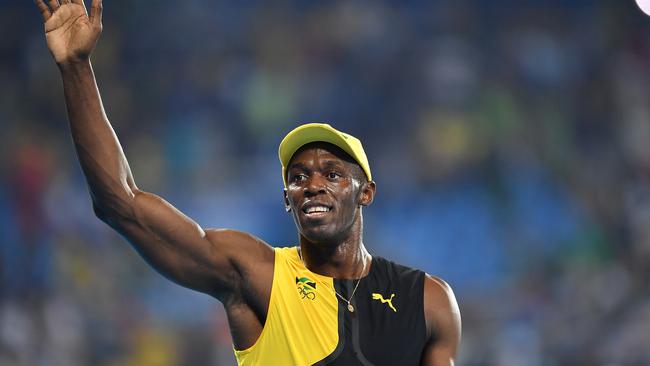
{"x":317,"y":132}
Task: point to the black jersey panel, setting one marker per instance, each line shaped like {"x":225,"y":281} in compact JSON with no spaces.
{"x":387,"y":326}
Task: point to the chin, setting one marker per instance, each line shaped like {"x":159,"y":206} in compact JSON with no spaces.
{"x":321,"y":235}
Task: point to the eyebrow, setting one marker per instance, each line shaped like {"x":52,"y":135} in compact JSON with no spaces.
{"x":299,"y":166}
{"x":333,"y":164}
{"x":327,"y":164}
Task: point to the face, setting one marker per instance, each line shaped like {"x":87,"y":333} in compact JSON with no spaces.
{"x":325,"y":190}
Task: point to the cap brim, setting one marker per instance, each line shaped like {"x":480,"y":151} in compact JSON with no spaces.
{"x":305,"y":134}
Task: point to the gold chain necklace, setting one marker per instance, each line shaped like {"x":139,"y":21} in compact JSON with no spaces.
{"x":348,"y":301}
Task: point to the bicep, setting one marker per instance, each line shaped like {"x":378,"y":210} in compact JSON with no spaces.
{"x":178,"y":248}
{"x":443,"y":324}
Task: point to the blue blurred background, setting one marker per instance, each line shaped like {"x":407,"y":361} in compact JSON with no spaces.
{"x":510,"y":142}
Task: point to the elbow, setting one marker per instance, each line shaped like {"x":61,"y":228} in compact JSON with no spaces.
{"x":103,"y":213}
{"x":115,"y":209}
{"x":99,"y":212}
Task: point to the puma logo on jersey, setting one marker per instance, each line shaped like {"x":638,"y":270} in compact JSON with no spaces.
{"x":376,"y":296}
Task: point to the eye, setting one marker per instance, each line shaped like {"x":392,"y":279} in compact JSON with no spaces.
{"x":298,"y":177}
{"x":333,"y":175}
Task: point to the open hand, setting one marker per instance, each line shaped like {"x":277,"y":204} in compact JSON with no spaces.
{"x":71,"y":34}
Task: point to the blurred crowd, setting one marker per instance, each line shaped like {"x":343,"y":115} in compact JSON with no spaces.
{"x":510,"y":142}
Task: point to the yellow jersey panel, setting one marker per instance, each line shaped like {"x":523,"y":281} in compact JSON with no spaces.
{"x":301,"y":325}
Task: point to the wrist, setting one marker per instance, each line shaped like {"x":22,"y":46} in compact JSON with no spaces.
{"x":73,"y":65}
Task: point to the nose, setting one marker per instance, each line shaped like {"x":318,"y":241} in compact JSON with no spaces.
{"x":315,"y":185}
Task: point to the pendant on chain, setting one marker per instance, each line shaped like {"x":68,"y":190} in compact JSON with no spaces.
{"x":350,"y":308}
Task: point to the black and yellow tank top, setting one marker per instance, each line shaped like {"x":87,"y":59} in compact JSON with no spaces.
{"x":307,"y":324}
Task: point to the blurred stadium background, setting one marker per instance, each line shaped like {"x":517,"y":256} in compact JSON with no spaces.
{"x":510,"y":141}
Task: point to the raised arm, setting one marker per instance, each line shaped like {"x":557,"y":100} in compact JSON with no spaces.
{"x":443,"y":323}
{"x":216,"y":261}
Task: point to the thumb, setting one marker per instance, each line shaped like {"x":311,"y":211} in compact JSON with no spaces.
{"x":96,"y":13}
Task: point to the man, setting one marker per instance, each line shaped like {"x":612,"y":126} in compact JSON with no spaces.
{"x":327,"y":301}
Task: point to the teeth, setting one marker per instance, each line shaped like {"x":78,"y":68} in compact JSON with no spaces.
{"x":317,"y":209}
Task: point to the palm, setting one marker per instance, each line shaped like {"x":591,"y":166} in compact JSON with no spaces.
{"x":70,"y":34}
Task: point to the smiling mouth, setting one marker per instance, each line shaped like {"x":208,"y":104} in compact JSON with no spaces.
{"x":316,"y":211}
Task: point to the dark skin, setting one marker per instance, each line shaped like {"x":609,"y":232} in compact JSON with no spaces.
{"x":331,"y":243}
{"x":234,"y":267}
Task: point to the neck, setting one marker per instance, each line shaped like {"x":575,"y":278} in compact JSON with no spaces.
{"x":343,"y":259}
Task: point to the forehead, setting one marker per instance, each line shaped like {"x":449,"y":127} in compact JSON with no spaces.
{"x":322,"y":150}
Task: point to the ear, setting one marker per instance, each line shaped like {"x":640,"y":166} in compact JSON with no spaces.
{"x":367,"y":193}
{"x":287,"y":206}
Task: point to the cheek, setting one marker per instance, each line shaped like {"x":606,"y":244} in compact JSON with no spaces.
{"x":348,"y":200}
{"x":292,"y":196}
{"x":348,"y":186}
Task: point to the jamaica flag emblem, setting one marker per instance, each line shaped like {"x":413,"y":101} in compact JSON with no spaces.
{"x":306,"y":288}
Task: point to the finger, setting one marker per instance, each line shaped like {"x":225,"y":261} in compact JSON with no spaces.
{"x":64,"y":2}
{"x":54,"y":4}
{"x":80,"y":2}
{"x":44,"y":9}
{"x":96,"y":12}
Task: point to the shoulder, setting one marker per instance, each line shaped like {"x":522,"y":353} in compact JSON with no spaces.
{"x":394,"y":269}
{"x":251,"y":263}
{"x":238,"y":239}
{"x":437,"y":293}
{"x":243,"y":249}
{"x":437,"y":290}
{"x":440,"y":307}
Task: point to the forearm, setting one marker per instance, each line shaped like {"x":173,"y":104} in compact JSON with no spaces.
{"x":172,"y":242}
{"x":100,"y":154}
